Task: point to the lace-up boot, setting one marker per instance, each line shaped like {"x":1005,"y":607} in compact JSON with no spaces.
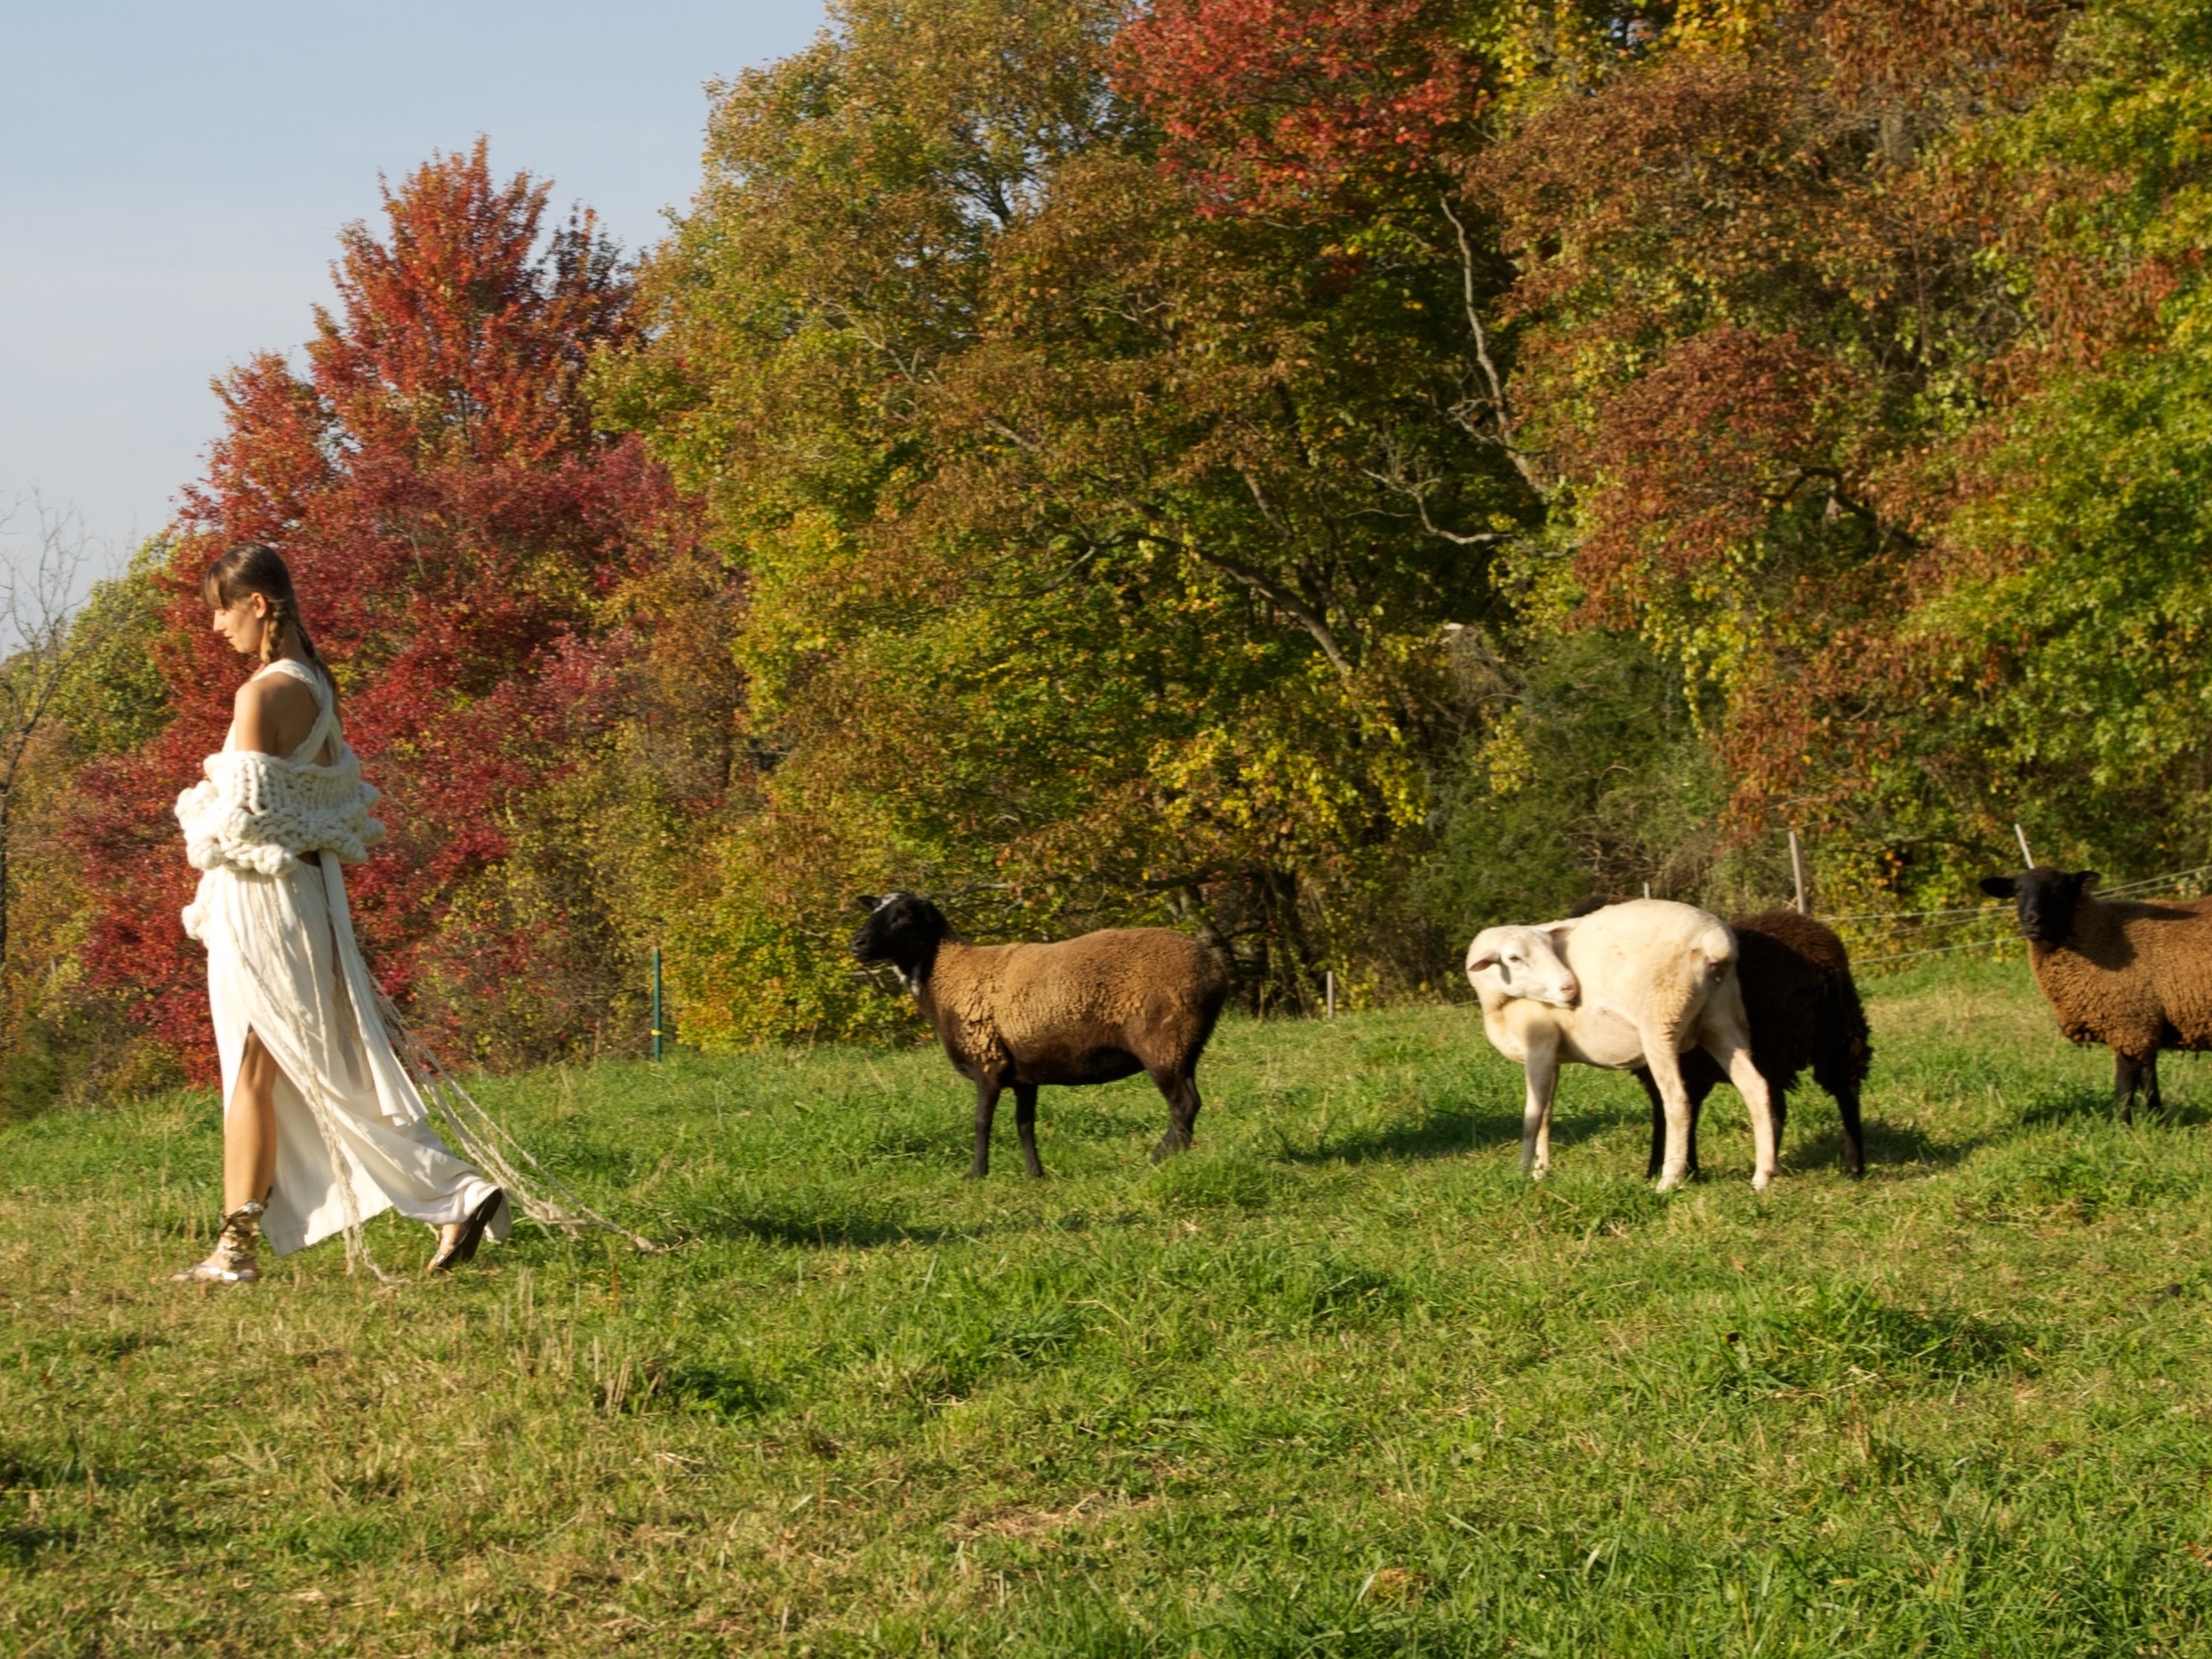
{"x":231,"y":1260}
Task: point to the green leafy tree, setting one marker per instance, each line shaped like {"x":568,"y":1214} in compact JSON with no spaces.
{"x":1794,"y":289}
{"x":1098,"y":543}
{"x":2065,"y":625}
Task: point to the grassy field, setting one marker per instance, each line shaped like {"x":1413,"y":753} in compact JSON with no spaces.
{"x":1339,"y":1382}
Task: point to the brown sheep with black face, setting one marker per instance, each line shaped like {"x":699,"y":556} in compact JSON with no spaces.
{"x":1092,"y":1009}
{"x":2135,"y":976}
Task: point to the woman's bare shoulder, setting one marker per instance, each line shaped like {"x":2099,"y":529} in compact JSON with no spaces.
{"x":271,"y":707}
{"x":275,"y":693}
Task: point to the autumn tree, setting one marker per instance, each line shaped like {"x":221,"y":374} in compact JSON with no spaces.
{"x":1791,"y":299}
{"x":1303,"y":105}
{"x":1098,"y":542}
{"x":487,"y":574}
{"x":1772,"y":304}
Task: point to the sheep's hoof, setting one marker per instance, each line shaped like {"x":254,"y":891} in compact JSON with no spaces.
{"x":1168,"y":1148}
{"x":974,"y":1175}
{"x":1669,"y":1183}
{"x":1762,"y":1181}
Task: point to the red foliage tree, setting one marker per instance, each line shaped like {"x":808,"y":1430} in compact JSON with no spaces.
{"x":1277,"y":103}
{"x":459,"y":535}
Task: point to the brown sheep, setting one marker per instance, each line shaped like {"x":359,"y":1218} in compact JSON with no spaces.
{"x":2133,"y":975}
{"x":1091,"y":1009}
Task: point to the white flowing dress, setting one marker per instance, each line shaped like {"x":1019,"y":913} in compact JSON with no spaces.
{"x":353,"y":1138}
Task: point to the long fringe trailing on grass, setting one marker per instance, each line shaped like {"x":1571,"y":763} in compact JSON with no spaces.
{"x":542,"y":1195}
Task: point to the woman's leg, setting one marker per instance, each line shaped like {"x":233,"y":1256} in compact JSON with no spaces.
{"x":249,"y":1128}
{"x":249,"y":1169}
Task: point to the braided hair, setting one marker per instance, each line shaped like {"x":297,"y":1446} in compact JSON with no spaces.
{"x":251,"y":568}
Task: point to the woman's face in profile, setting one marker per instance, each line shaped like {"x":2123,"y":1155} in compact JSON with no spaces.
{"x":241,"y":623}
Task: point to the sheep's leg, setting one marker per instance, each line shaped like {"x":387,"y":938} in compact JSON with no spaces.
{"x":1181,"y":1092}
{"x":1541,"y":1073}
{"x":1697,"y":1092}
{"x":986,"y":1107}
{"x":2127,"y":1077}
{"x":1025,"y":1126}
{"x":1766,"y":1132}
{"x":1658,"y":1123}
{"x":1854,"y":1149}
{"x":1674,"y":1099}
{"x":2130,"y":1075}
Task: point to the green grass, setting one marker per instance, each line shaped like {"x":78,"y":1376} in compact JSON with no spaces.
{"x":1339,"y":1382}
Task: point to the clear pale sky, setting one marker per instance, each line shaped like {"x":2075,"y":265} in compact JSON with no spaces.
{"x":172,"y":179}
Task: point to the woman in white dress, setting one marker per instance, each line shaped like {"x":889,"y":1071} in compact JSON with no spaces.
{"x":322,"y":1126}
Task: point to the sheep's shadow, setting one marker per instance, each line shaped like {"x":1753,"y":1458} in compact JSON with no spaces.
{"x":25,"y":1544}
{"x":2073,"y":1106}
{"x":1888,"y":1147}
{"x":825,"y":1231}
{"x":1443,"y":1133}
{"x":1813,"y":1137}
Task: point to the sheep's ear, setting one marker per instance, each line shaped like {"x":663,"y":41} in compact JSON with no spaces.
{"x":2000,"y":887}
{"x":2087,"y":881}
{"x":865,"y":901}
{"x":1489,"y":958}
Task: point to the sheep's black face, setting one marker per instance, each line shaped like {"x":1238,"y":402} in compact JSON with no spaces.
{"x":2044,"y":898}
{"x":904,"y":930}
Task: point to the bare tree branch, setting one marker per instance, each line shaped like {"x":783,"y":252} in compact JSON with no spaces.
{"x":1283,"y":600}
{"x":1501,"y":413}
{"x":1417,"y":491}
{"x":40,"y":650}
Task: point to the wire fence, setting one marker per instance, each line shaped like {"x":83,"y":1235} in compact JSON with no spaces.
{"x":1991,"y":925}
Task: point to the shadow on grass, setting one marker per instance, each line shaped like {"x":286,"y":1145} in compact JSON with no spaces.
{"x":1888,"y":1146}
{"x":23,"y":1546}
{"x":819,"y":1232}
{"x":2097,"y":1105}
{"x":1831,"y":1337}
{"x":729,"y":1391}
{"x":1443,"y":1134}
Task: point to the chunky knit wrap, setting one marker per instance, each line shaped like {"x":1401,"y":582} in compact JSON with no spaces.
{"x":263,"y":813}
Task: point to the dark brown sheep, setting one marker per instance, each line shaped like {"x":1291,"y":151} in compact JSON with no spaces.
{"x":1803,"y":1010}
{"x":2133,"y":975}
{"x":1092,"y":1009}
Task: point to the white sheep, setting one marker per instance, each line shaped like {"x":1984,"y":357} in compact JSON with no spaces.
{"x":1634,"y":985}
